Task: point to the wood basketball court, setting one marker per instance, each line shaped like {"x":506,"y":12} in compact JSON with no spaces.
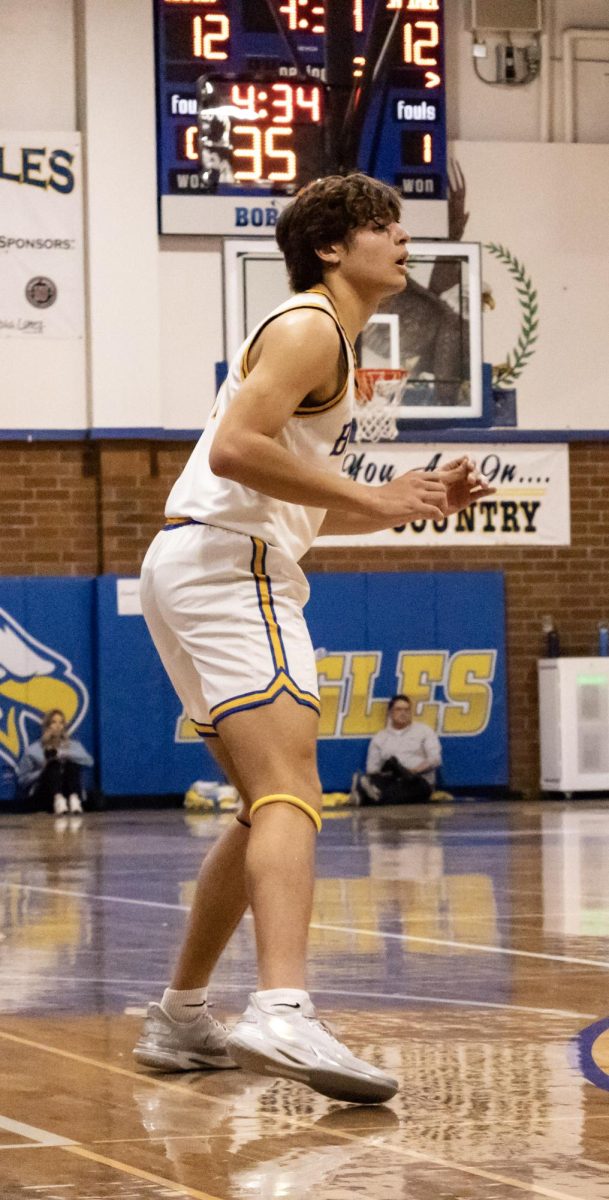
{"x":465,"y":949}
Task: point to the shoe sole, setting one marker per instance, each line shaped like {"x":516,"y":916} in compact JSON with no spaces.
{"x":182,"y":1062}
{"x":334,"y":1084}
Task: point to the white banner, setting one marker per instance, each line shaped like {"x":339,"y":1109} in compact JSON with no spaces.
{"x":531,"y":506}
{"x":41,"y":238}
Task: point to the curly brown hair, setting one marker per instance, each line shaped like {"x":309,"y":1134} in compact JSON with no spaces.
{"x":326,"y":211}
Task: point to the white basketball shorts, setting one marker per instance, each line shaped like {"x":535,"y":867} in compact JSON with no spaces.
{"x":225,"y":614}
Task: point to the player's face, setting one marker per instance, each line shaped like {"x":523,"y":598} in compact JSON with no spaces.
{"x":401,"y":714}
{"x":375,"y":258}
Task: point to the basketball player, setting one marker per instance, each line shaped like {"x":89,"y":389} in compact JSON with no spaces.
{"x":223,"y":594}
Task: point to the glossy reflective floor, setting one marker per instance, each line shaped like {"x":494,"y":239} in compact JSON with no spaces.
{"x":465,"y":949}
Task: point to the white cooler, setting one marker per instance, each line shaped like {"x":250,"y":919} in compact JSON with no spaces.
{"x":574,"y":724}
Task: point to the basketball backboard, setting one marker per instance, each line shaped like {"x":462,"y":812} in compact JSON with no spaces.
{"x":432,"y":331}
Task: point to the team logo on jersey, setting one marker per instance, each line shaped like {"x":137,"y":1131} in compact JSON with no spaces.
{"x":342,"y":440}
{"x":592,"y":1052}
{"x":33,"y":679}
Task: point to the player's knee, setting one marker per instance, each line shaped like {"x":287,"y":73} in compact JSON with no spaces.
{"x":289,"y":800}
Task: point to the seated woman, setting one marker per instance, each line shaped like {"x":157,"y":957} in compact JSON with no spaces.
{"x":50,"y":770}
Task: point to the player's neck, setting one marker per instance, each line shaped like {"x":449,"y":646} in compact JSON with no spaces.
{"x":353,"y":309}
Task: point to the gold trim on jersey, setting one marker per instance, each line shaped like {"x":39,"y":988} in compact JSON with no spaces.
{"x":304,"y":410}
{"x":320,"y":408}
{"x":281,"y":683}
{"x":178,"y":522}
{"x":204,"y":729}
{"x":265,"y":601}
{"x":282,"y":680}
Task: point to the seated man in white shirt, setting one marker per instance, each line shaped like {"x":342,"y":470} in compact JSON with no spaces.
{"x":402,"y":760}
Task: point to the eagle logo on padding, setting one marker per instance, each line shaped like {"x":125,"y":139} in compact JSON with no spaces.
{"x":33,"y":679}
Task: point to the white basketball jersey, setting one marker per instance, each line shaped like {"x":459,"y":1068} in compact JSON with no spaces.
{"x":315,"y":433}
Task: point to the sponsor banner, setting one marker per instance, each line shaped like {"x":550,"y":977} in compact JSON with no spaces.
{"x":531,"y":506}
{"x":439,"y":637}
{"x":41,"y":236}
{"x":46,"y":628}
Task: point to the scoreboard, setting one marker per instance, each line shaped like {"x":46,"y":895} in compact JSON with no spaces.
{"x":244,"y":104}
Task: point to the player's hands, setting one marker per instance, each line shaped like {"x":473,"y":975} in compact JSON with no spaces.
{"x":464,"y":484}
{"x":414,"y":496}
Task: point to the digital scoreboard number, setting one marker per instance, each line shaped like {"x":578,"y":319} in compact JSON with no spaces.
{"x":242,"y":106}
{"x":259,"y":133}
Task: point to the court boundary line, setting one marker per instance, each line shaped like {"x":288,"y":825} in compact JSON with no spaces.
{"x":40,"y":1137}
{"x":24,"y":1146}
{"x":139,"y":1173}
{"x":479,"y":1172}
{"x":462,"y":1003}
{"x":481,"y":949}
{"x":82,"y":1151}
{"x":458,"y":1002}
{"x":151,"y":1080}
{"x":414,"y":1155}
{"x":600,"y":965}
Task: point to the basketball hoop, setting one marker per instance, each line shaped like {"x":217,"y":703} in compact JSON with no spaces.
{"x":378,"y":394}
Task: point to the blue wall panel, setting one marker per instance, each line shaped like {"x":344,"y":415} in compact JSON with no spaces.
{"x":46,"y":661}
{"x":437,"y":635}
{"x":139,"y":710}
{"x":441,"y":634}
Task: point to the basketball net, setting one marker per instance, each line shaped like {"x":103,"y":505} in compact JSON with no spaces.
{"x":378,"y":394}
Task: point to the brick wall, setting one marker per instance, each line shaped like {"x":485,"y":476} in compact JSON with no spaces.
{"x":82,"y":508}
{"x":48,"y":508}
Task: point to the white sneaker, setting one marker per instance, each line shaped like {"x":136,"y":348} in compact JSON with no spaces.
{"x":370,"y":789}
{"x":169,"y":1045}
{"x":74,"y":803}
{"x":60,"y":805}
{"x":289,"y":1040}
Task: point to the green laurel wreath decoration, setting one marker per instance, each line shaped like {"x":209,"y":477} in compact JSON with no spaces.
{"x":515,"y":362}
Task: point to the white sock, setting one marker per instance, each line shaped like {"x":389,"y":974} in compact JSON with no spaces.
{"x":289,"y":996}
{"x":184,"y":1005}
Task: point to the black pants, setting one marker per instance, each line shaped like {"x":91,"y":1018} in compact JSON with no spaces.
{"x":398,"y":785}
{"x":59,"y":775}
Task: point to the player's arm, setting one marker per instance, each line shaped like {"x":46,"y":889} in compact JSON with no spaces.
{"x":337,"y":521}
{"x":299,"y":354}
{"x":464,"y":486}
{"x":433,"y":754}
{"x":374,"y":758}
